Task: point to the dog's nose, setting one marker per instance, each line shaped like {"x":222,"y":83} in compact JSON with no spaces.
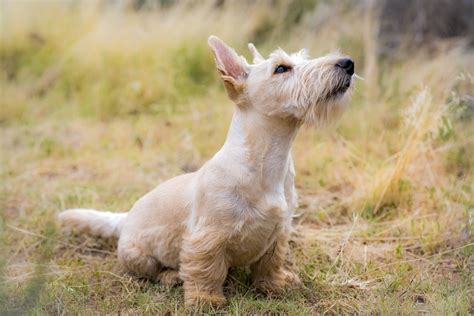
{"x":347,"y":64}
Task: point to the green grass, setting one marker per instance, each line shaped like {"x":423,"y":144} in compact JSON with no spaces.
{"x":100,"y":110}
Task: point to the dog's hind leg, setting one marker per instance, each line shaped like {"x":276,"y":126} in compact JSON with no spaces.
{"x":137,"y":261}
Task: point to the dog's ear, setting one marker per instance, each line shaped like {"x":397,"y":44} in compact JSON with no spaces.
{"x":257,"y":57}
{"x":233,"y":68}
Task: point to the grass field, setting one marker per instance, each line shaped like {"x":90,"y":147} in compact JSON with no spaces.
{"x":100,"y":106}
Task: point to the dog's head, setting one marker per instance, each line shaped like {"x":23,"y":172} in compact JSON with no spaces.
{"x":289,"y":86}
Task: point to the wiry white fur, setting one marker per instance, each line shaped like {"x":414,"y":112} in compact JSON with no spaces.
{"x":236,"y":210}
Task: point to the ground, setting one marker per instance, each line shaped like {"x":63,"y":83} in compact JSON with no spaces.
{"x":385,"y":219}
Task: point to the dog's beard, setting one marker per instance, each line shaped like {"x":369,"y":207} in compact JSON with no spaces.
{"x":327,"y":109}
{"x":339,"y":85}
{"x":342,"y":85}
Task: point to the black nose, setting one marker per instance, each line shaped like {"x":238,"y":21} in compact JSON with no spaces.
{"x":347,"y":64}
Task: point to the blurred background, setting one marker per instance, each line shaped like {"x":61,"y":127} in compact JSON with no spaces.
{"x":103,"y":100}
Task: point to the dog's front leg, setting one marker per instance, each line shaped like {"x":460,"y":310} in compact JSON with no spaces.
{"x":203,"y":268}
{"x":269,"y":272}
{"x":290,"y":192}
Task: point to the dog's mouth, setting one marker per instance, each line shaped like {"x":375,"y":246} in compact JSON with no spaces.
{"x":341,"y":86}
{"x":339,"y":89}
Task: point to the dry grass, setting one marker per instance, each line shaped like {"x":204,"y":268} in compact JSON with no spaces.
{"x":98,"y":108}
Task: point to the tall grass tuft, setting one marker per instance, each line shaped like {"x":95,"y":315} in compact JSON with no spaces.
{"x":420,"y":120}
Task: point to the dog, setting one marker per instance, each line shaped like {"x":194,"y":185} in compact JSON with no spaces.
{"x":237,"y":209}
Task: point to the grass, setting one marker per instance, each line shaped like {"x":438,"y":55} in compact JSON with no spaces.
{"x":102,"y":107}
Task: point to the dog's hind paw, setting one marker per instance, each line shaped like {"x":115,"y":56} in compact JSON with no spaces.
{"x":169,"y":278}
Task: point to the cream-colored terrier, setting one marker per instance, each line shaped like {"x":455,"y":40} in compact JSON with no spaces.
{"x":237,"y":209}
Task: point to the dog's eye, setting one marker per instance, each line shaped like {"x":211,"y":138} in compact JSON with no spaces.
{"x":281,"y":69}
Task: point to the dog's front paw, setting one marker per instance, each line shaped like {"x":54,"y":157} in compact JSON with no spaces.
{"x":196,"y":298}
{"x":277,"y":282}
{"x":292,"y":278}
{"x":271,"y":284}
{"x":270,"y":287}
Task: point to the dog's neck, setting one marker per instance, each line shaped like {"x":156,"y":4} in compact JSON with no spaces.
{"x":262,"y":145}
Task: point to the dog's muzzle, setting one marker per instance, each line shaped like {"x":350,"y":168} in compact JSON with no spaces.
{"x":346,"y":69}
{"x":347,"y":65}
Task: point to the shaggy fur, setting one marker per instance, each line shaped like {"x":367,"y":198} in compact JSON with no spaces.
{"x":236,"y":210}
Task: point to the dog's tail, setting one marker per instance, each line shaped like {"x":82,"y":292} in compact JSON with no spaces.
{"x":101,"y":224}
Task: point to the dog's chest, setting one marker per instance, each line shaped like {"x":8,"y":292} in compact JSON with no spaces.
{"x":253,"y":235}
